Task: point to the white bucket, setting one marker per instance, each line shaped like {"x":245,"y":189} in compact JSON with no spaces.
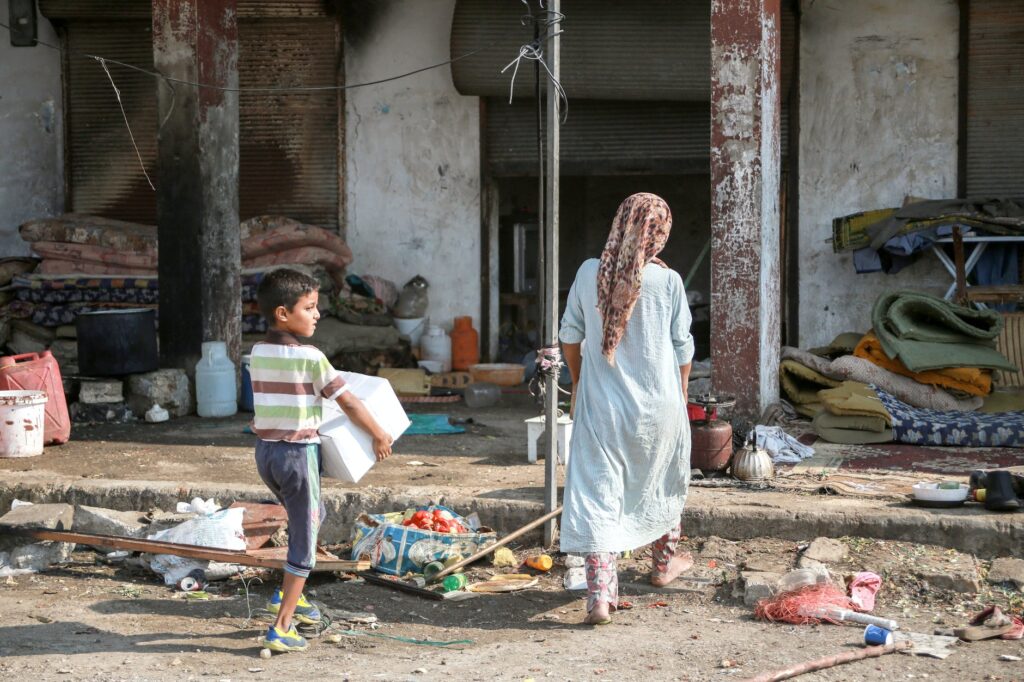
{"x":21,"y":423}
{"x":413,"y":327}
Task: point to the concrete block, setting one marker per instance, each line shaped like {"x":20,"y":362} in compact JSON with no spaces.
{"x":962,"y":579}
{"x":827,"y":551}
{"x":168,"y":388}
{"x":50,"y":516}
{"x":758,"y":586}
{"x":1007,"y":570}
{"x":24,"y":554}
{"x":97,"y":391}
{"x":807,"y":562}
{"x":41,"y":555}
{"x":109,"y":522}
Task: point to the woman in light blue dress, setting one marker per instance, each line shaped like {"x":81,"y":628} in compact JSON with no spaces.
{"x":626,"y":340}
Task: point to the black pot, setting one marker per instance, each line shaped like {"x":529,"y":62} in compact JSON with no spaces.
{"x":117,"y":342}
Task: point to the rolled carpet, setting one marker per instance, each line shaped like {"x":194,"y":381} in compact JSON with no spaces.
{"x":926,"y":332}
{"x":801,"y":384}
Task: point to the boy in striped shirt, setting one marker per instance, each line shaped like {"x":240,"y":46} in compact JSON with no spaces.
{"x":289,"y":381}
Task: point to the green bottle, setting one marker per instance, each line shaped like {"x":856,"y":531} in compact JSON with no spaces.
{"x":432,"y":569}
{"x":454,"y":582}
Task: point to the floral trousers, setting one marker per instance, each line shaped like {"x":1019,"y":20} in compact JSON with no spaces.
{"x":603,"y":576}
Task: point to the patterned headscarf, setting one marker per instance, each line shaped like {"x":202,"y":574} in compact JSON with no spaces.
{"x":639,"y":232}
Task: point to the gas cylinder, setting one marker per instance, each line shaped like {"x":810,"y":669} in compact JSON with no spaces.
{"x":711,"y":437}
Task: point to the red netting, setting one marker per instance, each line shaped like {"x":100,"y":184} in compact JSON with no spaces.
{"x":806,"y":605}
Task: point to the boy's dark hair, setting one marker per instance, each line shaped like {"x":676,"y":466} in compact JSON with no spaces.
{"x":283,"y":286}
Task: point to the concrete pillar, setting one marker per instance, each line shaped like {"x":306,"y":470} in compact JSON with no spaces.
{"x":197,"y":186}
{"x":745,"y":162}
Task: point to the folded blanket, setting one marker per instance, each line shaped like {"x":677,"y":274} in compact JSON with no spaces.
{"x":970,"y":380}
{"x":801,"y":384}
{"x":840,"y":346}
{"x":851,"y":430}
{"x":972,"y":429}
{"x":853,"y":399}
{"x":850,"y":368}
{"x":926,"y":332}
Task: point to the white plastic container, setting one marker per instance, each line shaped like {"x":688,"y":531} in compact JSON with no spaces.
{"x":216,"y":390}
{"x":346,"y":450}
{"x":21,"y":423}
{"x":412,"y":327}
{"x":436,"y":346}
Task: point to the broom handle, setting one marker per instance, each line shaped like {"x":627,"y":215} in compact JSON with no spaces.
{"x":500,"y":543}
{"x":829,"y":661}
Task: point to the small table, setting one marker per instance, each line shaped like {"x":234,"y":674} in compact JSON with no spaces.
{"x":981,"y":242}
{"x":535,"y":429}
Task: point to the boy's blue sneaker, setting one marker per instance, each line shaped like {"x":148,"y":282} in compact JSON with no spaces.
{"x":279,"y":640}
{"x":305,"y":612}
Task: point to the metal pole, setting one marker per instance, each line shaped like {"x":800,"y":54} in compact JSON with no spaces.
{"x":553,"y":57}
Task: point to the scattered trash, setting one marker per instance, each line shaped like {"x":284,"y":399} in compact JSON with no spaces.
{"x":863,"y":588}
{"x":540,"y":562}
{"x":991,"y":623}
{"x":804,"y":577}
{"x":157,"y":414}
{"x":504,"y":558}
{"x":198,"y":595}
{"x":876,"y":636}
{"x":397,"y":549}
{"x":575,"y":573}
{"x":1008,"y":657}
{"x":197,"y":506}
{"x":221,"y":529}
{"x":933,"y":646}
{"x":510,"y":582}
{"x":407,"y":640}
{"x":15,"y":503}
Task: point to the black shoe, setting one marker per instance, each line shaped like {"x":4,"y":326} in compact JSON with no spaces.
{"x":999,"y":493}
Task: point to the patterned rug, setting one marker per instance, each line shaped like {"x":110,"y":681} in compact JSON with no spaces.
{"x":954,"y":461}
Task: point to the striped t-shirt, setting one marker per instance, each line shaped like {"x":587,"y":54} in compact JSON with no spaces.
{"x":288,"y":382}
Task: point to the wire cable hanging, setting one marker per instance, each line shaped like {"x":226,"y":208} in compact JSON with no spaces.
{"x":534,"y":51}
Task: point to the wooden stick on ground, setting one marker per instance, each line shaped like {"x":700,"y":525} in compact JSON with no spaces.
{"x":500,"y":543}
{"x":829,"y":661}
{"x":228,"y":556}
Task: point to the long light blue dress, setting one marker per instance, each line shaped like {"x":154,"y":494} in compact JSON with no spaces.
{"x":629,"y":463}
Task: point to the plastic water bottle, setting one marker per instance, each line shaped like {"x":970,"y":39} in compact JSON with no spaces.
{"x":481,"y":394}
{"x":216,"y":391}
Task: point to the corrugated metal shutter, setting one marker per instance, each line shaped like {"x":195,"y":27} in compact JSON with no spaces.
{"x":995,"y":98}
{"x":288,"y":160}
{"x":95,"y":10}
{"x":643,"y":50}
{"x":613,"y":136}
{"x":103,"y":171}
{"x":288,"y":142}
{"x":603,"y":137}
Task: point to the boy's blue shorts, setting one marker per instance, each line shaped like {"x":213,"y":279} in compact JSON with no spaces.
{"x":292,"y":472}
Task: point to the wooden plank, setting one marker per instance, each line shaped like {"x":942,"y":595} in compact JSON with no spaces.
{"x":190,"y":551}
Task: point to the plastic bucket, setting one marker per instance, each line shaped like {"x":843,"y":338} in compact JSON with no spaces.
{"x":22,"y":414}
{"x":413,"y":327}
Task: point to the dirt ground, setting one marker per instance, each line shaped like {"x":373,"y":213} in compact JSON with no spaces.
{"x":93,"y":621}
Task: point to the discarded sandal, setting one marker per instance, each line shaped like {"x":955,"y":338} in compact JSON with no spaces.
{"x":989,"y":624}
{"x":999,"y":492}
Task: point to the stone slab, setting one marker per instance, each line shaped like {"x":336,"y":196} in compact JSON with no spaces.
{"x":169,"y":388}
{"x":109,"y":521}
{"x":758,"y":586}
{"x":101,"y":391}
{"x":827,"y":551}
{"x":1007,"y":570}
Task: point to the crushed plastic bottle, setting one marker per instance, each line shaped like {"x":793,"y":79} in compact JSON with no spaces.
{"x":803,"y":577}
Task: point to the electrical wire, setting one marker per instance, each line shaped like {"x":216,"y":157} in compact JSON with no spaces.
{"x":534,"y":51}
{"x":297,"y":88}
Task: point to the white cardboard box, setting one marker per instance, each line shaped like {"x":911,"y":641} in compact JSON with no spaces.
{"x":346,"y":449}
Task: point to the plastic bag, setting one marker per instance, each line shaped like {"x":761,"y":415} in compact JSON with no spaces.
{"x":412,"y":302}
{"x":222,"y":530}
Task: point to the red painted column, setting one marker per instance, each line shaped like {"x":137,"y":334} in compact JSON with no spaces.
{"x":745,"y":169}
{"x":197,"y":196}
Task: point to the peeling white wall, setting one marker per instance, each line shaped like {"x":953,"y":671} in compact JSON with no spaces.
{"x":31,"y":134}
{"x":878,"y":122}
{"x":413,"y":160}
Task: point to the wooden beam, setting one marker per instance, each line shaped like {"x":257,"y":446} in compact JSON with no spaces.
{"x":191,"y":551}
